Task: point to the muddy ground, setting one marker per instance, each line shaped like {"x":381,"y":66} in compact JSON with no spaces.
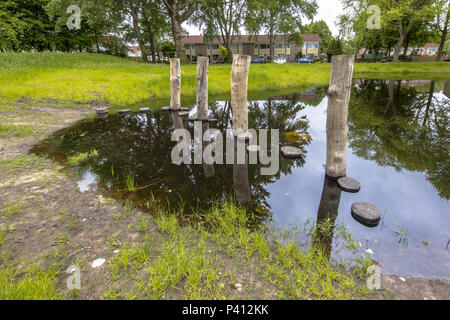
{"x":59,"y":225}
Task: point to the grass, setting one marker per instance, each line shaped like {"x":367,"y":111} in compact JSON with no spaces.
{"x":12,"y":210}
{"x":12,"y":130}
{"x":32,"y":284}
{"x":77,"y":79}
{"x":201,"y":262}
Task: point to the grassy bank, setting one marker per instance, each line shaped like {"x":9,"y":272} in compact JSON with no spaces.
{"x":77,"y":79}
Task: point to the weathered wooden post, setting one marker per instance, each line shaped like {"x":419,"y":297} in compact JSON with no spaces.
{"x":202,"y":88}
{"x":175,"y":84}
{"x":337,"y":114}
{"x":239,"y":84}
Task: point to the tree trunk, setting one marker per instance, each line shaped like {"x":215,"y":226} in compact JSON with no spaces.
{"x":443,"y":38}
{"x":137,"y":31}
{"x":337,"y":114}
{"x":405,"y":52}
{"x":398,"y":47}
{"x":271,"y":48}
{"x":151,"y":35}
{"x":178,"y":39}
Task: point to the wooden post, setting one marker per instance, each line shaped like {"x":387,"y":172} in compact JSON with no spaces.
{"x":202,"y":88}
{"x":337,"y":114}
{"x":239,"y":83}
{"x":175,"y":83}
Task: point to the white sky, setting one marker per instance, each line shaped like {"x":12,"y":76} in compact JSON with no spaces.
{"x":328,"y":11}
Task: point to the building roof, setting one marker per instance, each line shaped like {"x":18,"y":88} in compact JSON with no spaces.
{"x":134,"y":48}
{"x":252,"y":39}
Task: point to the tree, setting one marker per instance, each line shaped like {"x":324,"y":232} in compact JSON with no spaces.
{"x":221,"y":19}
{"x":179,"y":11}
{"x":397,"y":18}
{"x":280,"y":17}
{"x":441,"y":26}
{"x":334,"y":48}
{"x":155,"y":22}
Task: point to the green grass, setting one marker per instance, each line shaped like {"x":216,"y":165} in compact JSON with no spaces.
{"x":11,"y":210}
{"x":33,"y":284}
{"x":12,"y":130}
{"x":201,"y":261}
{"x":76,"y":79}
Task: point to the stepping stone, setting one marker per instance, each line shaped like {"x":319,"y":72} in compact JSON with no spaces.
{"x":124,"y":111}
{"x":213,"y":120}
{"x":144,"y":109}
{"x":348,"y":185}
{"x":366,"y":213}
{"x":184,"y":109}
{"x":253,"y":149}
{"x":101,"y":111}
{"x":291,"y":152}
{"x":102,"y":116}
{"x":183,"y":114}
{"x":165,"y":109}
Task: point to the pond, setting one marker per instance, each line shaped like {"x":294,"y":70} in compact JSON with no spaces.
{"x":398,"y":149}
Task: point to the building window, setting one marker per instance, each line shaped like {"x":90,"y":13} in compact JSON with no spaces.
{"x":208,"y":47}
{"x":280,"y":46}
{"x":264,"y":46}
{"x":215,"y":46}
{"x":312,"y":45}
{"x":288,"y":45}
{"x":234,"y":46}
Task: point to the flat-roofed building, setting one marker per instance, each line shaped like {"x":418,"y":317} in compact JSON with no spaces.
{"x":257,"y":46}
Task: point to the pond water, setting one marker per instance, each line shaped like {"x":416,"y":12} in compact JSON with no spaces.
{"x":398,"y":149}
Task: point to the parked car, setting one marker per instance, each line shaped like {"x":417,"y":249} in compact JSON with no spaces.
{"x":304,"y":60}
{"x":257,"y":60}
{"x":280,"y":61}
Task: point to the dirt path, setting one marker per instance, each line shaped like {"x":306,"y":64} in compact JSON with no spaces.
{"x":50,"y":222}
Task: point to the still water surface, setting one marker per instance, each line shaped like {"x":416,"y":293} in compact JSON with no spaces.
{"x":398,"y":149}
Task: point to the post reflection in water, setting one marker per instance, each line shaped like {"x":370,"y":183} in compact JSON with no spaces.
{"x":327,"y":214}
{"x":240,"y":176}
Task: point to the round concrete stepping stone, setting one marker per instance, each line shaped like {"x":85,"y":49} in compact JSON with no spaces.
{"x":124,"y":111}
{"x":349,"y":185}
{"x":144,"y":109}
{"x":101,"y":111}
{"x":165,"y":109}
{"x":213,"y":120}
{"x":366,"y":213}
{"x":291,"y":152}
{"x":184,"y":109}
{"x":183,"y":114}
{"x":253,"y":149}
{"x":102,"y":116}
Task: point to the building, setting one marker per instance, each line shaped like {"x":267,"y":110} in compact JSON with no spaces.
{"x":134,"y":52}
{"x":429,"y":49}
{"x":255,"y":46}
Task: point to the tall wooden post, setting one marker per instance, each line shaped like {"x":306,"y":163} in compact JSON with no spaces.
{"x":239,"y":84}
{"x":337,"y":114}
{"x":202,"y":88}
{"x":175,"y":84}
